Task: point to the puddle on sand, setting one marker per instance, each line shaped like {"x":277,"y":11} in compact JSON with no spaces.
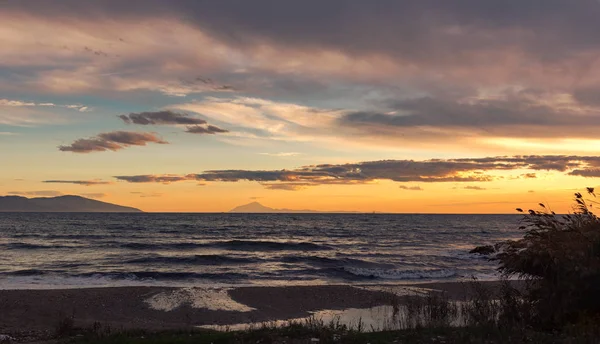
{"x":216,"y":299}
{"x":367,"y":319}
{"x":380,"y":318}
{"x":399,"y":290}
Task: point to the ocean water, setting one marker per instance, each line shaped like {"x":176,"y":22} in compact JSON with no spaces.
{"x":56,"y":250}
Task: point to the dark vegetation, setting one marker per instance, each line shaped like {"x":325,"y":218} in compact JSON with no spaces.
{"x":558,"y":258}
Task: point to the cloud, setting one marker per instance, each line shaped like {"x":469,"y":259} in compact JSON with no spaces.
{"x":44,"y":193}
{"x":161,"y":118}
{"x":165,"y":179}
{"x":286,"y":186}
{"x":27,"y":114}
{"x":211,"y":129}
{"x":281,"y":154}
{"x":195,"y":125}
{"x":426,"y":171}
{"x":6,"y":102}
{"x":94,"y":195}
{"x":112,"y":141}
{"x":473,"y":187}
{"x":429,"y":28}
{"x":267,"y":119}
{"x":491,"y":119}
{"x":20,"y":103}
{"x":589,"y":173}
{"x":588,"y":95}
{"x":147,"y":194}
{"x":433,"y":73}
{"x":411,"y":188}
{"x":508,"y":114}
{"x":78,"y":182}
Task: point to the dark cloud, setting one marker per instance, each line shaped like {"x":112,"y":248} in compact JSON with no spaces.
{"x":590,"y":173}
{"x":195,"y":125}
{"x":428,"y":171}
{"x":78,"y":182}
{"x":165,"y":179}
{"x":160,"y":118}
{"x":519,"y":114}
{"x":112,"y":141}
{"x":434,"y":30}
{"x":589,"y":95}
{"x":210,"y":129}
{"x":90,"y":145}
{"x":411,"y":188}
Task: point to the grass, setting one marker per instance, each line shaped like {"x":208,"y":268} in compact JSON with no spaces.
{"x":301,"y":334}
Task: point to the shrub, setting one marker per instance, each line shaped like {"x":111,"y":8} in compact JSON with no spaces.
{"x":559,"y":257}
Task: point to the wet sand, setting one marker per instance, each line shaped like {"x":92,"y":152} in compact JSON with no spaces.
{"x":35,"y":313}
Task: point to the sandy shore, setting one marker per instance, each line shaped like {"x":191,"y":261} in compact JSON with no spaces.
{"x":35,"y":313}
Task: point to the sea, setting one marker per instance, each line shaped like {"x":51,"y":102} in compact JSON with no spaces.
{"x":76,"y":250}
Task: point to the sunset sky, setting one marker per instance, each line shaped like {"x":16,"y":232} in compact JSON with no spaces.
{"x":430,"y":106}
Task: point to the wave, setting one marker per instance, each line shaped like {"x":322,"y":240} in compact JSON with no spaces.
{"x":28,"y":246}
{"x":26,"y":272}
{"x":231,"y":277}
{"x":332,"y":262}
{"x":169,"y":246}
{"x":310,"y":260}
{"x":393,"y":274}
{"x":232,"y":245}
{"x":27,"y":235}
{"x":75,"y":236}
{"x":209,"y":259}
{"x":161,"y":275}
{"x":246,"y":245}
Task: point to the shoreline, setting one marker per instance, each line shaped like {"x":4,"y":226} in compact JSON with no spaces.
{"x":35,"y":313}
{"x":40,"y":285}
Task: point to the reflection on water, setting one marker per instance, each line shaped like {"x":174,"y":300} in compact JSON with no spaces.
{"x":380,"y":318}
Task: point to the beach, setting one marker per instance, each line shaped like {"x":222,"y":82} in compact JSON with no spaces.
{"x":34,"y":314}
{"x":182,"y":271}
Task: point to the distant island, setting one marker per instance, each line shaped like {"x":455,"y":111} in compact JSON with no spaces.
{"x":256,"y":207}
{"x":66,"y":204}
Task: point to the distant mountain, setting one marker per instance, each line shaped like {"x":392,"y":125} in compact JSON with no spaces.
{"x":67,"y":204}
{"x":253,"y":207}
{"x":256,"y":207}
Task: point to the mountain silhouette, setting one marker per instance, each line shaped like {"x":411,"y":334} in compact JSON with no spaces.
{"x":256,"y":207}
{"x":67,"y":204}
{"x":253,"y":207}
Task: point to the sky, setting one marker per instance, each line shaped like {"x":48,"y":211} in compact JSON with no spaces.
{"x":428,"y":106}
